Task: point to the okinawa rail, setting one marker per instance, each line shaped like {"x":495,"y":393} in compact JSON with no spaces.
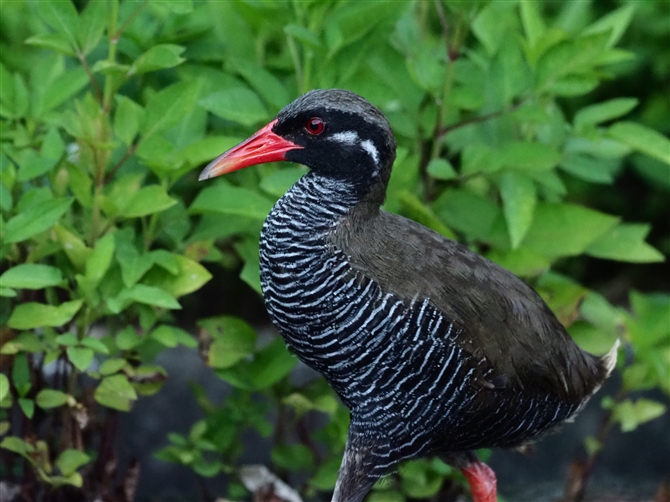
{"x":434,"y":349}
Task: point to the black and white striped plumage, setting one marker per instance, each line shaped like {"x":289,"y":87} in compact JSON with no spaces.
{"x":434,"y":349}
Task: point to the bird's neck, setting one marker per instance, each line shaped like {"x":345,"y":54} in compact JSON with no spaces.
{"x":317,"y":204}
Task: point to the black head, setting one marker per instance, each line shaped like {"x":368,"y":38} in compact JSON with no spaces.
{"x":334,"y":132}
{"x":341,"y":134}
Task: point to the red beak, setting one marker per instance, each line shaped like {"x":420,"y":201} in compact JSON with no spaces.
{"x":264,"y":146}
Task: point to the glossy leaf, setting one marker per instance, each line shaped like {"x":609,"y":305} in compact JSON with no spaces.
{"x":50,"y":398}
{"x":527,"y":156}
{"x":565,"y":229}
{"x":151,"y":295}
{"x":233,"y":340}
{"x":31,"y":276}
{"x":62,"y":17}
{"x":70,"y":460}
{"x":602,"y":112}
{"x":35,"y":220}
{"x":80,"y":357}
{"x":227,"y":199}
{"x":237,"y":104}
{"x":4,"y":387}
{"x":158,"y":57}
{"x":189,"y":277}
{"x":642,"y":139}
{"x":148,"y":200}
{"x":115,"y":392}
{"x":31,"y":315}
{"x":441,"y":169}
{"x":518,"y":195}
{"x":625,"y":242}
{"x":127,"y":119}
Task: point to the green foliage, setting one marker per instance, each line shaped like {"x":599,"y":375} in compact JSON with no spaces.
{"x":505,"y":143}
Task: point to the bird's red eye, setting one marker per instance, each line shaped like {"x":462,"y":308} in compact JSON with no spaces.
{"x":315,"y":126}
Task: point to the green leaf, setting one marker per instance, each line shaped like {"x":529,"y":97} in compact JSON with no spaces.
{"x":151,"y":295}
{"x":128,"y":339}
{"x":35,"y":219}
{"x":441,"y":169}
{"x":127,"y":119}
{"x":614,"y":23}
{"x":34,"y":315}
{"x":34,"y":165}
{"x":630,"y":413}
{"x":17,"y":445}
{"x":50,"y":398}
{"x":303,"y":34}
{"x":62,"y":17}
{"x":565,"y":229}
{"x":159,"y":57}
{"x":27,"y":406}
{"x":55,"y":41}
{"x":588,"y":168}
{"x":100,"y":259}
{"x":270,"y":364}
{"x":111,"y":366}
{"x":167,"y":108}
{"x":95,"y":344}
{"x":190,"y":277}
{"x":61,"y":89}
{"x":91,"y":25}
{"x":527,"y":156}
{"x":74,"y":247}
{"x":533,"y":25}
{"x":70,"y":460}
{"x":602,"y":112}
{"x":115,"y":392}
{"x":642,"y":139}
{"x":148,"y":200}
{"x":31,"y":276}
{"x":467,"y":212}
{"x":170,"y":336}
{"x":21,"y":374}
{"x":281,"y":180}
{"x":625,"y":242}
{"x":234,"y":340}
{"x":4,"y":386}
{"x":227,"y":199}
{"x":207,"y":149}
{"x":237,"y":104}
{"x":294,"y":457}
{"x":7,"y":292}
{"x":570,"y":57}
{"x":81,"y":185}
{"x":80,"y":357}
{"x":491,"y":24}
{"x":67,"y":339}
{"x":521,"y":262}
{"x":262,"y":81}
{"x":519,"y":198}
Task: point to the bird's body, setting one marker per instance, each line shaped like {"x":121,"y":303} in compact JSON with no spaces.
{"x":433,"y":348}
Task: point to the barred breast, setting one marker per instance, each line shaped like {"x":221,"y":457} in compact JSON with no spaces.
{"x":395,"y":363}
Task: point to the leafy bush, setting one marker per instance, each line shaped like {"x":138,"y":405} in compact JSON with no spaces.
{"x":108,"y":111}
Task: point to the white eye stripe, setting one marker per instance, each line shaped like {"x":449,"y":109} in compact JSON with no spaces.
{"x":370,"y":148}
{"x":347,"y":137}
{"x":352,"y":138}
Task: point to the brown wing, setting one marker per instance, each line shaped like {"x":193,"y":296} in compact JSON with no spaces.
{"x":502,"y":318}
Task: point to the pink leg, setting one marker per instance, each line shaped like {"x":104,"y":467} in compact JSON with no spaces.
{"x":482,"y":481}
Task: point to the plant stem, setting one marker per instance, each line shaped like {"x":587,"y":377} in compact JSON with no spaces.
{"x":111,"y":56}
{"x":293,"y":49}
{"x":94,"y":84}
{"x":581,"y":470}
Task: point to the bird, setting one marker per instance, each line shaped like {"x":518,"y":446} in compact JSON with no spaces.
{"x":434,"y":349}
